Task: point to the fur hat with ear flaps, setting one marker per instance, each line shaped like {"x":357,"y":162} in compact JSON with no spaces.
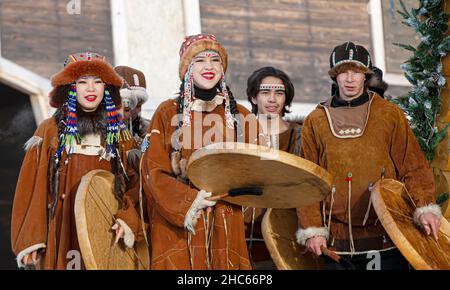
{"x":72,"y":120}
{"x":350,"y":55}
{"x":64,"y":97}
{"x":135,"y":85}
{"x":192,"y":46}
{"x":195,"y":44}
{"x":84,"y":64}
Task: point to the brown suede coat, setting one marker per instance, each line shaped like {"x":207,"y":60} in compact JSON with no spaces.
{"x":172,"y":246}
{"x":31,"y":224}
{"x":289,"y":141}
{"x":387,"y":142}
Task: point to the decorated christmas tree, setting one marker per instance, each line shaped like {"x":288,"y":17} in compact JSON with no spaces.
{"x":427,"y":103}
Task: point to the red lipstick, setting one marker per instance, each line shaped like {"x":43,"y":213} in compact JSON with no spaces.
{"x":90,"y":98}
{"x":208,"y":75}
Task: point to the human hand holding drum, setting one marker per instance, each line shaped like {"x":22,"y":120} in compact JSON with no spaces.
{"x":430,"y":224}
{"x":200,"y":202}
{"x":315,"y":244}
{"x":120,"y":232}
{"x":27,"y":261}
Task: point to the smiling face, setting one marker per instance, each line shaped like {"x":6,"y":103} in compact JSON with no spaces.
{"x":271,"y":97}
{"x":207,"y":69}
{"x":90,"y":92}
{"x":351,"y":84}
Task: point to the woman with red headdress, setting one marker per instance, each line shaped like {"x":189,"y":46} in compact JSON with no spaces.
{"x":188,"y":231}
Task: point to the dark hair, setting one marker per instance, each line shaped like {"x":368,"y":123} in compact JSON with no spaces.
{"x":256,"y":78}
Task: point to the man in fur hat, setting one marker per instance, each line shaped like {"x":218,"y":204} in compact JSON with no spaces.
{"x":85,"y":133}
{"x":358,"y":137}
{"x":134,"y":95}
{"x":375,"y":84}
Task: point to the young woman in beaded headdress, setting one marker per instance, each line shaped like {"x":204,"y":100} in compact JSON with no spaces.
{"x":189,"y":231}
{"x":85,"y":133}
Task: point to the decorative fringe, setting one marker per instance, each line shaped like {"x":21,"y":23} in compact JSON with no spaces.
{"x":115,"y":130}
{"x":226,"y":239}
{"x":187,"y":95}
{"x":349,"y":179}
{"x":191,"y":258}
{"x":228,"y":116}
{"x":206,"y":229}
{"x":34,"y":141}
{"x":70,"y":134}
{"x":141,"y":202}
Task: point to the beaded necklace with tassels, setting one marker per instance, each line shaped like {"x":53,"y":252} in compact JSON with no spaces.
{"x":70,"y":134}
{"x":114,"y":128}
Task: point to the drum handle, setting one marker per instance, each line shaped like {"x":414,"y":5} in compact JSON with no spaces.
{"x":238,"y":192}
{"x":335,"y":257}
{"x":217,"y":197}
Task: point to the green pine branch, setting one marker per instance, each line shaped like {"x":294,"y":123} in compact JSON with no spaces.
{"x":424,"y":71}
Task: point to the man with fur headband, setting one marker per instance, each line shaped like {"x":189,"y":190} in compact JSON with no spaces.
{"x":358,"y":137}
{"x":85,"y":133}
{"x":270,"y":93}
{"x":188,"y":231}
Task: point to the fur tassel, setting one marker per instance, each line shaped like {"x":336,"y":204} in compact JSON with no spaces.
{"x":183,"y":165}
{"x":34,"y":141}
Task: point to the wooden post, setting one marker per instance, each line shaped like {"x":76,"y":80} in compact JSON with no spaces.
{"x":441,"y":162}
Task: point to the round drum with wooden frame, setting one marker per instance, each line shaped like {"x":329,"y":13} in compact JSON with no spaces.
{"x":95,"y":206}
{"x":278,"y":229}
{"x":286,"y":180}
{"x":395,"y":209}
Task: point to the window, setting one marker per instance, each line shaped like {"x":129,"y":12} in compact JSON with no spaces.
{"x":387,"y":28}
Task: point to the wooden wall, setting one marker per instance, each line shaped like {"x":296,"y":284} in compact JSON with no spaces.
{"x":40,"y":34}
{"x":296,"y":36}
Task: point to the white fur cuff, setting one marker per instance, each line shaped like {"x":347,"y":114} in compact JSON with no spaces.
{"x":194,"y":212}
{"x":431,"y":208}
{"x":128,"y":237}
{"x":303,"y":235}
{"x":27,"y":251}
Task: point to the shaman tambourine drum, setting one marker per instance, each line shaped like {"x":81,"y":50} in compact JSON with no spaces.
{"x":395,"y":210}
{"x":278,"y":230}
{"x":95,"y":206}
{"x":286,"y":180}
